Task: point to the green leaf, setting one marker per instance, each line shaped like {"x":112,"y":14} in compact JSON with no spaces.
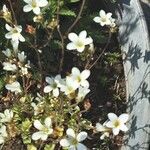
{"x":49,"y":147}
{"x":67,"y":12}
{"x":74,"y":1}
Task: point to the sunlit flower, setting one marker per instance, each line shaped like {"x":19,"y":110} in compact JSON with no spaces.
{"x":22,"y":56}
{"x":80,"y":77}
{"x":14,"y":33}
{"x":15,"y":45}
{"x":44,"y":130}
{"x":7,"y":52}
{"x":3,"y":134}
{"x":6,"y":14}
{"x":104,"y":18}
{"x":14,"y":87}
{"x":34,"y":5}
{"x":78,"y":42}
{"x":117,"y":123}
{"x":53,"y":85}
{"x":102,"y":128}
{"x":9,"y":67}
{"x":82,"y":92}
{"x":38,"y":108}
{"x":70,"y":86}
{"x":24,"y":70}
{"x":6,"y":116}
{"x":73,"y":140}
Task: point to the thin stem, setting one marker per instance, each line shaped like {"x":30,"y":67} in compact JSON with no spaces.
{"x":77,"y":18}
{"x":62,"y":40}
{"x":92,"y":65}
{"x":13,"y":13}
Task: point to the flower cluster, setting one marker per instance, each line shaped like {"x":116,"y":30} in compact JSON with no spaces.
{"x":114,"y":125}
{"x":76,"y":81}
{"x":5,"y":117}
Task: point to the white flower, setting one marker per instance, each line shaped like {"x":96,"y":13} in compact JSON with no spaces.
{"x":34,"y":5}
{"x":79,"y":42}
{"x":44,"y":130}
{"x":5,"y":11}
{"x":22,"y":56}
{"x":38,"y":108}
{"x":82,"y":92}
{"x":7,"y":52}
{"x":15,"y":45}
{"x":6,"y":116}
{"x":72,"y":142}
{"x":70,"y":86}
{"x":104,"y":19}
{"x":9,"y":67}
{"x":103,"y":129}
{"x":13,"y":87}
{"x":53,"y":85}
{"x":14,"y":33}
{"x":3,"y":134}
{"x":117,"y":123}
{"x":80,"y":77}
{"x":24,"y":70}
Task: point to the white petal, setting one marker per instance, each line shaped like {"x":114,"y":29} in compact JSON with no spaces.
{"x":97,"y":19}
{"x":8,"y":27}
{"x":48,"y":122}
{"x":81,"y":49}
{"x":100,"y":127}
{"x":44,"y":136}
{"x":81,"y":147}
{"x":115,"y":131}
{"x":71,"y":46}
{"x":47,"y":89}
{"x":72,"y":37}
{"x":112,"y":116}
{"x":83,"y":34}
{"x":124,"y":128}
{"x":36,"y":10}
{"x":49,"y":80}
{"x":102,"y":13}
{"x":109,"y":15}
{"x":70,"y":132}
{"x":27,"y":8}
{"x":85,"y":74}
{"x":27,"y":1}
{"x":81,"y":136}
{"x":1,"y":140}
{"x":21,"y":38}
{"x":123,"y":118}
{"x":38,"y":125}
{"x":36,"y":136}
{"x":88,"y":41}
{"x":8,"y":35}
{"x":75,"y":71}
{"x":65,"y":142}
{"x":56,"y":92}
{"x":85,"y":83}
{"x":42,"y":3}
{"x":110,"y":124}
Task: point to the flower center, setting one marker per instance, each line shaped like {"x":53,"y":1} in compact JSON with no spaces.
{"x":116,"y":123}
{"x":54,"y":85}
{"x":15,"y":31}
{"x":33,"y":3}
{"x":74,"y":142}
{"x":45,"y":130}
{"x":103,"y":19}
{"x":78,"y":79}
{"x":79,"y":43}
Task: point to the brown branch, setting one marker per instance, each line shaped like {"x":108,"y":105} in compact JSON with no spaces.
{"x":77,"y":18}
{"x":109,"y":38}
{"x":13,"y":13}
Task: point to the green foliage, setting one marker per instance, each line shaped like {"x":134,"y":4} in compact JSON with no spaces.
{"x":49,"y":147}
